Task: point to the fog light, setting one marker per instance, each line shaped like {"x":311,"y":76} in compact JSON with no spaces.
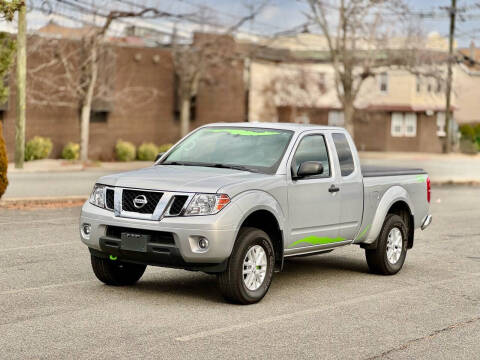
{"x":203,"y":243}
{"x":86,"y":230}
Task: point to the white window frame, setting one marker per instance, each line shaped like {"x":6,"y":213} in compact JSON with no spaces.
{"x":336,"y":118}
{"x":397,"y":126}
{"x":383,"y":80}
{"x":401,"y":122}
{"x":410,"y":120}
{"x":441,"y":124}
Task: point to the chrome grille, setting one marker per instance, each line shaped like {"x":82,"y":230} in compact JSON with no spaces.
{"x":177,"y":204}
{"x":152,"y":199}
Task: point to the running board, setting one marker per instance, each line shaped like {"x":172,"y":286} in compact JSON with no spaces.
{"x":307,"y":250}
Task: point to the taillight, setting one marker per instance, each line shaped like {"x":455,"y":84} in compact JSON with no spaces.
{"x":429,"y":189}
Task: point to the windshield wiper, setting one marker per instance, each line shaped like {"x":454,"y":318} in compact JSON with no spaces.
{"x":222,"y":166}
{"x":235,"y":167}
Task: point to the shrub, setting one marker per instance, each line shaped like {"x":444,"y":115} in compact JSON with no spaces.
{"x":3,"y":164}
{"x":468,"y":147}
{"x":147,"y":152}
{"x":468,"y":132}
{"x":71,"y":151}
{"x":164,"y":148}
{"x":38,"y":148}
{"x":125,"y":151}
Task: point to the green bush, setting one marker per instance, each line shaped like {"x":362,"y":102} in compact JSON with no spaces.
{"x":71,"y":151}
{"x":38,"y":148}
{"x":3,"y":164}
{"x":125,"y":151}
{"x":471,"y":133}
{"x":147,"y":152}
{"x":164,"y":148}
{"x":468,"y":132}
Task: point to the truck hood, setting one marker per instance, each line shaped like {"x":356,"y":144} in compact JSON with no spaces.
{"x":180,"y":178}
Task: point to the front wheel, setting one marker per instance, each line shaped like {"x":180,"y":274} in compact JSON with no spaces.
{"x":115,"y":272}
{"x":250,"y":268}
{"x":389,"y":256}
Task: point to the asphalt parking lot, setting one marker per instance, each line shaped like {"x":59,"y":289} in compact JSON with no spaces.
{"x":325,"y":306}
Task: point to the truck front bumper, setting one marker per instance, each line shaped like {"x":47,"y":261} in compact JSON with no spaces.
{"x":172,"y":241}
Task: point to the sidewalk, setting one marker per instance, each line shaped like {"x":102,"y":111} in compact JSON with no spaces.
{"x":47,"y":180}
{"x":53,"y":165}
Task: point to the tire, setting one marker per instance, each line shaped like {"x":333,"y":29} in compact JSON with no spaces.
{"x":378,"y":259}
{"x":231,"y":282}
{"x":115,"y":272}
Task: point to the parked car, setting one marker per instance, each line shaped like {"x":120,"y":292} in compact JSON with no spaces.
{"x":238,"y":199}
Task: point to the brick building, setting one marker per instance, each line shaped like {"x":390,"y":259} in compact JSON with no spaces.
{"x":141,"y":107}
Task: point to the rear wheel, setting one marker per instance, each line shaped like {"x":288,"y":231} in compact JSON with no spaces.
{"x":115,"y":272}
{"x":389,"y":256}
{"x":250,"y":268}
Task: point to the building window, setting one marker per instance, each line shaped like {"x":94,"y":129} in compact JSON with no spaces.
{"x":441,"y":122}
{"x":322,"y":86}
{"x":418,"y":83}
{"x":98,"y":116}
{"x":302,"y":119}
{"x":336,"y":118}
{"x":397,"y":124}
{"x":439,"y":87}
{"x":404,"y":124}
{"x":410,"y":124}
{"x":383,"y":83}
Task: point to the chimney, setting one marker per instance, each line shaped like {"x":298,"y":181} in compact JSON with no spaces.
{"x":472,"y":51}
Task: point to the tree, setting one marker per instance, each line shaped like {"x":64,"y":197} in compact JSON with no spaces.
{"x":357,"y":39}
{"x":7,"y":51}
{"x":74,"y":77}
{"x":196,"y":62}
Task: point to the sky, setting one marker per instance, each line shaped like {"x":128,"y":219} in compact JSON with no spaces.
{"x":276,"y":17}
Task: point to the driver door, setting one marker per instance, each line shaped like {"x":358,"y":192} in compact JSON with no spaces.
{"x":313,"y":203}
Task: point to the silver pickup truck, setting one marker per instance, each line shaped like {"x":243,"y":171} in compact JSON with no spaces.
{"x":237,"y":199}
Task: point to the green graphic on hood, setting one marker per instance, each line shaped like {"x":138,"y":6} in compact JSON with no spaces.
{"x":246,"y":132}
{"x":422,"y":178}
{"x":315,"y":240}
{"x":362,"y":234}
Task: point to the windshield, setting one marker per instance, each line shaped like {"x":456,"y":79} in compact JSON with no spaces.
{"x":252,"y":149}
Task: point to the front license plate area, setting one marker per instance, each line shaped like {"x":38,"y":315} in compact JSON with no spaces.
{"x":134,"y":242}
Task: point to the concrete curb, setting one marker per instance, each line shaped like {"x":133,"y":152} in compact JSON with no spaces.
{"x":78,"y":200}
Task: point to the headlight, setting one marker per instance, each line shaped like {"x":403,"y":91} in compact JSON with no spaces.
{"x":207,"y":204}
{"x":97,"y":197}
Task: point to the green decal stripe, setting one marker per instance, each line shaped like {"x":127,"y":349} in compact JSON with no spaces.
{"x":245,"y":132}
{"x":362,"y":234}
{"x":315,"y":240}
{"x":422,"y":178}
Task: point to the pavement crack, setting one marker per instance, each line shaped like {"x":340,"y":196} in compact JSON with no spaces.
{"x":385,"y":354}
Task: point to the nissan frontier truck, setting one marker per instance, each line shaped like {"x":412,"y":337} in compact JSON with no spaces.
{"x":237,"y":199}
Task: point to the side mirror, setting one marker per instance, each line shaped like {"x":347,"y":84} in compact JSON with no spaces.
{"x":159,"y":155}
{"x":309,"y":168}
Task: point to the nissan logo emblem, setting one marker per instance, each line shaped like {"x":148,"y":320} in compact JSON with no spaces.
{"x":140,"y":201}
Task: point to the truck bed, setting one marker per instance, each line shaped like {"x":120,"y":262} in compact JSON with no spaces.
{"x":374,"y":171}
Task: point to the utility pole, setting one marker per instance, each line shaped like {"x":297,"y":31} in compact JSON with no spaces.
{"x":448,"y":94}
{"x":21,"y":86}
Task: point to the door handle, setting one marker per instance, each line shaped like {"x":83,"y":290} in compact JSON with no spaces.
{"x":333,"y":189}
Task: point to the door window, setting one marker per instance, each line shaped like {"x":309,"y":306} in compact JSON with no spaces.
{"x":312,"y":148}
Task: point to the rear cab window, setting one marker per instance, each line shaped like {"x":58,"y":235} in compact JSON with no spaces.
{"x":344,"y":153}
